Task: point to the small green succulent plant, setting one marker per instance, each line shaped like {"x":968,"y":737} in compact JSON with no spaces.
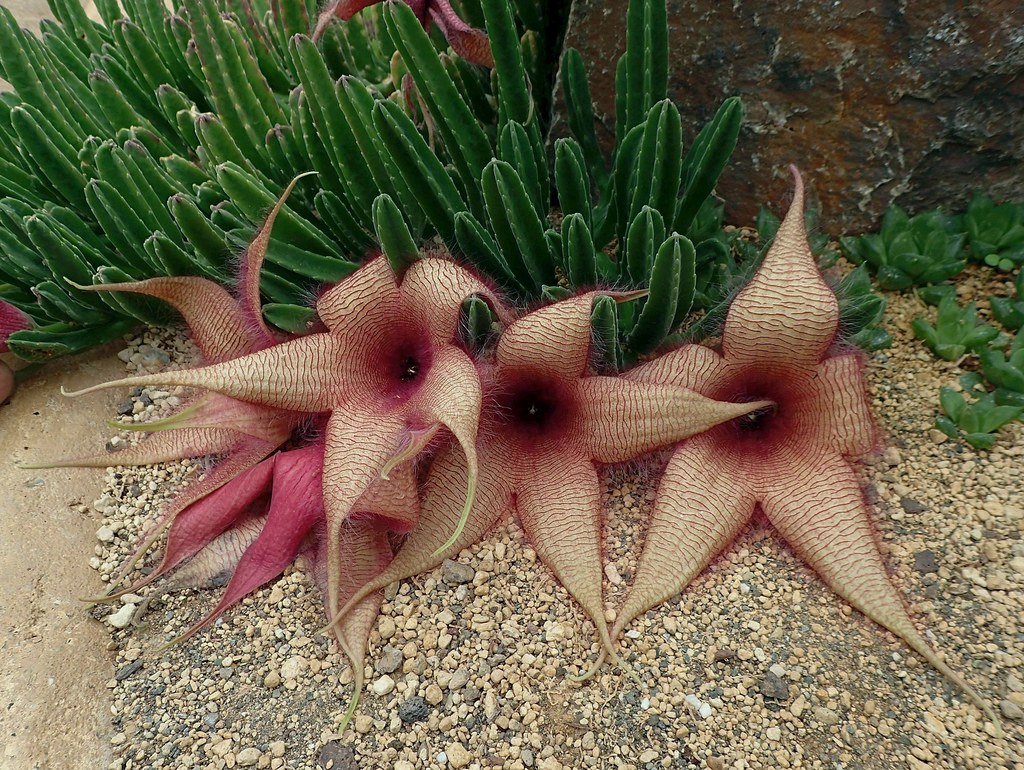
{"x":1009,"y":311}
{"x":910,"y":251}
{"x":995,"y":232}
{"x":956,"y":332}
{"x":976,"y":420}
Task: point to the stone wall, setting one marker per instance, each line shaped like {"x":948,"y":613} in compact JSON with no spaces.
{"x":917,"y":102}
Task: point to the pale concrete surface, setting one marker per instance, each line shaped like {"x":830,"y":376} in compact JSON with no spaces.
{"x":54,"y":665}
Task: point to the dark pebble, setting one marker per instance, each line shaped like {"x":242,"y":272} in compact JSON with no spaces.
{"x":772,"y":686}
{"x":910,"y":505}
{"x":456,"y":572}
{"x":334,"y":756}
{"x":125,"y":407}
{"x":414,"y":709}
{"x":472,"y":694}
{"x":128,"y":670}
{"x":210,"y":720}
{"x":924,"y":562}
{"x":934,"y":591}
{"x":724,"y":654}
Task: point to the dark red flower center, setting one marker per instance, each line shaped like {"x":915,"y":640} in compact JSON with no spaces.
{"x":404,"y":364}
{"x":534,"y":407}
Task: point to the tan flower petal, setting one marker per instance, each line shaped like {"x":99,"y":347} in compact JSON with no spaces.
{"x":818,"y":508}
{"x":620,"y":419}
{"x":787,"y":316}
{"x":839,"y":414}
{"x":703,"y":501}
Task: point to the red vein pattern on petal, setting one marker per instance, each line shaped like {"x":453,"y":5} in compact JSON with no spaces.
{"x":367,"y":299}
{"x":819,"y":510}
{"x":560,"y":510}
{"x":307,"y":374}
{"x":657,"y":415}
{"x":433,"y":288}
{"x":11,"y":320}
{"x":357,"y":446}
{"x":441,"y":506}
{"x":841,"y":415}
{"x":691,"y":366}
{"x":554,"y":339}
{"x":701,"y":505}
{"x":214,"y":320}
{"x":787,"y":316}
{"x":396,"y":499}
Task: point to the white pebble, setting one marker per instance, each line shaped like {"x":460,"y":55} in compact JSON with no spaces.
{"x":383,"y":686}
{"x":122,"y":617}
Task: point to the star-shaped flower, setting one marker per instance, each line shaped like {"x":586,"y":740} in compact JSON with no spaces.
{"x":389,"y":370}
{"x":546,"y":423}
{"x":468,"y":42}
{"x":791,"y":460}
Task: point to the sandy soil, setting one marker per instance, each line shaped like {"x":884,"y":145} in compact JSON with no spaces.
{"x":54,"y":709}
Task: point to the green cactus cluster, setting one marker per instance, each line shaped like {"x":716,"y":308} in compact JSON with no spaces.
{"x":154,"y":142}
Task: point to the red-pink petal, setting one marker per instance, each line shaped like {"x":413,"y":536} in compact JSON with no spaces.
{"x":11,"y":320}
{"x":468,"y":42}
{"x":295,"y":508}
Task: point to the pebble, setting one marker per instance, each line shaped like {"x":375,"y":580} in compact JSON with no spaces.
{"x":648,"y":756}
{"x":123,"y":617}
{"x":825,"y":715}
{"x":277,"y":749}
{"x":363,"y":723}
{"x":458,"y":757}
{"x":924,"y":562}
{"x":272,"y":680}
{"x":457,"y":573}
{"x":105,"y":534}
{"x":773,"y":734}
{"x":413,"y":709}
{"x":1010,"y":710}
{"x":389,"y":660}
{"x":248,"y":757}
{"x":433,"y":694}
{"x":910,"y":505}
{"x":772,"y":686}
{"x":386,"y":627}
{"x":293,"y":667}
{"x":383,"y":686}
{"x":459,"y":679}
{"x":1017,"y":564}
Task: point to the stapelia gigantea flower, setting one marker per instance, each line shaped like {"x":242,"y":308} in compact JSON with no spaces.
{"x":241,"y":434}
{"x":545,"y":423}
{"x":790,"y":460}
{"x":388,"y":370}
{"x":468,"y":42}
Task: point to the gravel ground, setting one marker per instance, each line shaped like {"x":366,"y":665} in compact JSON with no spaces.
{"x":757,"y":665}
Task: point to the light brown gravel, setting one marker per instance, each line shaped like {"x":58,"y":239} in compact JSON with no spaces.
{"x":490,"y":657}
